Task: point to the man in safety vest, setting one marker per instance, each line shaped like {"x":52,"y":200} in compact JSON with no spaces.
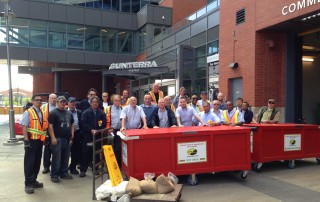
{"x":231,"y":116}
{"x":34,"y":131}
{"x":46,"y":108}
{"x":113,"y":120}
{"x":156,"y":94}
{"x":125,"y":98}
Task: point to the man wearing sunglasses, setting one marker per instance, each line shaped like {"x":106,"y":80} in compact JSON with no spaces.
{"x":85,"y":104}
{"x":269,"y":114}
{"x":34,"y":131}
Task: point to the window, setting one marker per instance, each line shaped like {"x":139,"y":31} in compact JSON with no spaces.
{"x":124,"y":41}
{"x":92,"y":39}
{"x":19,"y":32}
{"x":38,"y":33}
{"x":75,"y":36}
{"x":109,"y":40}
{"x":213,"y":47}
{"x":57,"y":35}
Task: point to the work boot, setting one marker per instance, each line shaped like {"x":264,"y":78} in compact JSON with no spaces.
{"x":37,"y":184}
{"x":45,"y":170}
{"x":29,"y":189}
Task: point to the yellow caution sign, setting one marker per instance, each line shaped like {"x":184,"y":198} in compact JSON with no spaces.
{"x":112,"y":164}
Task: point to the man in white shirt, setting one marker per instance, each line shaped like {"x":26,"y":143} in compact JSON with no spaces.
{"x":132,"y":115}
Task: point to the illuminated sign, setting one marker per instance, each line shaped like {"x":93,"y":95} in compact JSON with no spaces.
{"x":299,"y":5}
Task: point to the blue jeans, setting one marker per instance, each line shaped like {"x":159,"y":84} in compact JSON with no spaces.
{"x":60,"y":157}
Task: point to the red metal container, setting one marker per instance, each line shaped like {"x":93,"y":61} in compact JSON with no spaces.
{"x":186,"y":150}
{"x":274,"y":142}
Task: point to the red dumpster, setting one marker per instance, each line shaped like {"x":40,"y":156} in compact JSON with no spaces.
{"x":186,"y":150}
{"x":274,"y":142}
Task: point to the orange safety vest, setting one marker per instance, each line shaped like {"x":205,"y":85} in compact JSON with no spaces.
{"x":45,"y":110}
{"x":126,"y":103}
{"x":36,"y":129}
{"x":234,"y":118}
{"x":107,"y":110}
{"x":153,"y":96}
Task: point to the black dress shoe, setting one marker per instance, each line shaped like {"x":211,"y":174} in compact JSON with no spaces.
{"x":74,"y":171}
{"x":55,"y":180}
{"x":66,"y":176}
{"x":37,"y":184}
{"x":29,"y":189}
{"x":46,"y":170}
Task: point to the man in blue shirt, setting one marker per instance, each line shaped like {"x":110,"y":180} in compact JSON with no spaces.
{"x":149,"y":110}
{"x":208,"y":117}
{"x":185,"y":113}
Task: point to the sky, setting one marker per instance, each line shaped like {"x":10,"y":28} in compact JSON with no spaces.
{"x":21,"y":81}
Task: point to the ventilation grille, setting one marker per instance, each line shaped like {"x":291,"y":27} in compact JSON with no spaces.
{"x":241,"y":16}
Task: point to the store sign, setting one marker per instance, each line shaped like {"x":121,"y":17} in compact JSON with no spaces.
{"x":298,"y":5}
{"x":292,"y":142}
{"x":213,"y":61}
{"x":133,"y":65}
{"x":192,"y":152}
{"x":133,"y":68}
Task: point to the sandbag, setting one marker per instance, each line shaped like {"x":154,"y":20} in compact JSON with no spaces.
{"x":149,"y":186}
{"x":164,"y":184}
{"x":133,"y":187}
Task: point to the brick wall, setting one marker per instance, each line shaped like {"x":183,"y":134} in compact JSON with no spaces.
{"x":261,"y":55}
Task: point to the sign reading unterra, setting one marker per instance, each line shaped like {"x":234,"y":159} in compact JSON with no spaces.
{"x":133,"y":65}
{"x":298,"y":5}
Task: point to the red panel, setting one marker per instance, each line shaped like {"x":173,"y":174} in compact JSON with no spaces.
{"x":156,"y":150}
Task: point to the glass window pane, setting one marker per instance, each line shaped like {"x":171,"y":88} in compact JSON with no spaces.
{"x":124,"y":41}
{"x":200,"y":73}
{"x":38,"y":33}
{"x":19,"y":31}
{"x":187,"y":63}
{"x":144,"y":81}
{"x":187,"y":73}
{"x":125,"y":5}
{"x":201,"y":62}
{"x":57,"y":35}
{"x":169,"y":75}
{"x":106,"y":5}
{"x":200,"y":85}
{"x":75,"y":36}
{"x":213,"y":47}
{"x":115,"y":5}
{"x":135,"y":83}
{"x":92,"y":38}
{"x":135,"y":6}
{"x":201,"y":51}
{"x":108,"y":40}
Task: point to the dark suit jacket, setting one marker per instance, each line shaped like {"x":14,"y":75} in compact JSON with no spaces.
{"x":248,"y":115}
{"x":171,"y":117}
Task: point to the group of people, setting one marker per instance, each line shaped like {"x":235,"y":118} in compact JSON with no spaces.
{"x":65,"y":131}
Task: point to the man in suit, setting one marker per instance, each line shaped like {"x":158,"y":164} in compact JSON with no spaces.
{"x":247,"y":114}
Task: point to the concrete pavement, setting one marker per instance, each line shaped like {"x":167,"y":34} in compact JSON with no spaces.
{"x":274,"y":183}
